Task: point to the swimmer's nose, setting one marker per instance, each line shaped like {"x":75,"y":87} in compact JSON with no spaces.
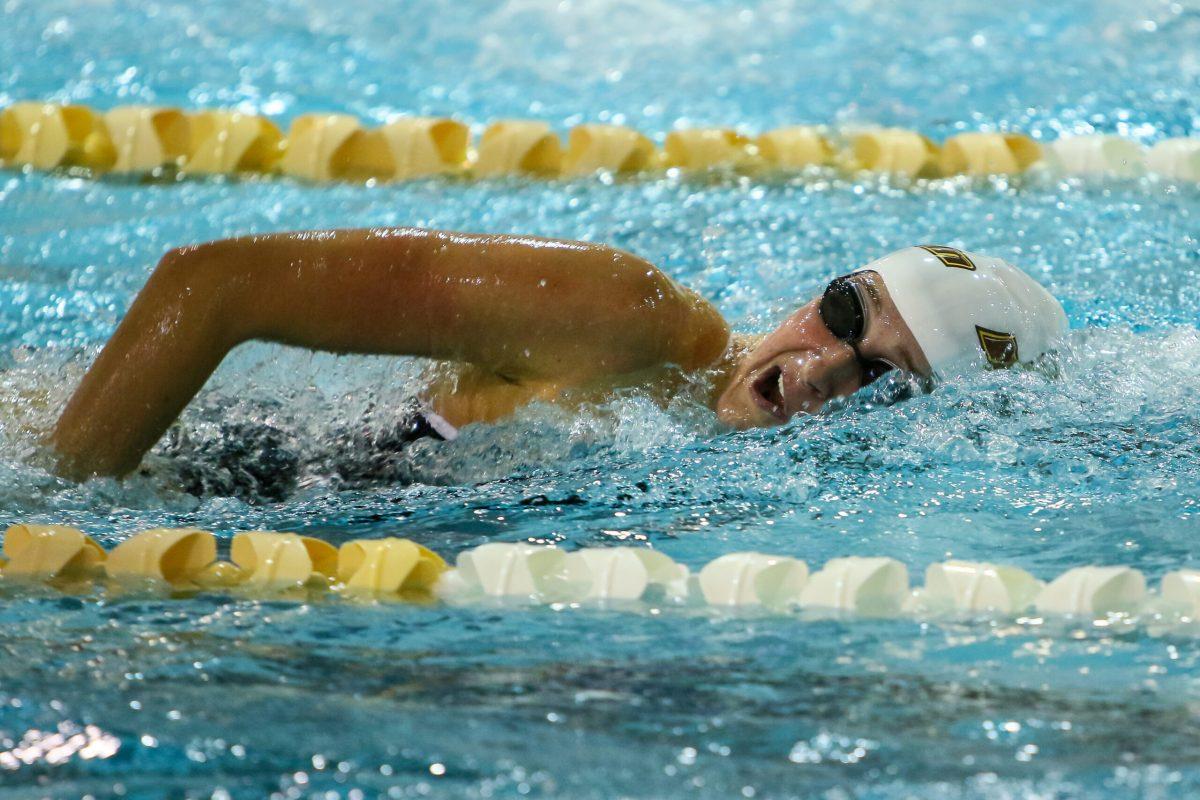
{"x":834,"y":373}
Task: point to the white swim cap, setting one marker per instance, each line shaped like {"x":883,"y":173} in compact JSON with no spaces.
{"x":961,"y":306}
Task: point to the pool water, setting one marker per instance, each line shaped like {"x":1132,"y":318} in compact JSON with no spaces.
{"x":219,"y":696}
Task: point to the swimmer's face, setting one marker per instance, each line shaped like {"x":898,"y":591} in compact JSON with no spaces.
{"x":801,"y":365}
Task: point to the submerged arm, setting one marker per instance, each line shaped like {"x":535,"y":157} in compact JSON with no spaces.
{"x":523,"y":307}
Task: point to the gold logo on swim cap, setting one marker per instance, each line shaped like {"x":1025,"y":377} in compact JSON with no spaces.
{"x":1000,"y":348}
{"x":949,"y":256}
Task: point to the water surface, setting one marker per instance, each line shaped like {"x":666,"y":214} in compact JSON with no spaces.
{"x":223,"y":695}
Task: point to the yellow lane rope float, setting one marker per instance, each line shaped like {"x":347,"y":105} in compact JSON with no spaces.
{"x":225,"y":143}
{"x":891,"y":150}
{"x":50,"y":552}
{"x":269,"y":563}
{"x":145,"y":140}
{"x":46,"y":136}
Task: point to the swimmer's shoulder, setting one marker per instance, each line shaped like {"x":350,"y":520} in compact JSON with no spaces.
{"x":691,"y":334}
{"x":701,"y":337}
{"x":636,"y":318}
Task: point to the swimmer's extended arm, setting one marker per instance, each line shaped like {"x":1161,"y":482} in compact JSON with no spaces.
{"x":523,"y":307}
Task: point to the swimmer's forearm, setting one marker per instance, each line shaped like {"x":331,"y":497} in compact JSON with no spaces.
{"x":175,"y":334}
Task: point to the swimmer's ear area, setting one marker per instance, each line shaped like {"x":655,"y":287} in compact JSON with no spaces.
{"x":388,"y":567}
{"x":51,"y":552}
{"x":1048,"y":365}
{"x":898,"y":386}
{"x":176,"y":556}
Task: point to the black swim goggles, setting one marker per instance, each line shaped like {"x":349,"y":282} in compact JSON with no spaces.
{"x":843,"y":312}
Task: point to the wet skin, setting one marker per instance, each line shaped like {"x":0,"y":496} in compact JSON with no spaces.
{"x":515,"y":318}
{"x":799,"y":366}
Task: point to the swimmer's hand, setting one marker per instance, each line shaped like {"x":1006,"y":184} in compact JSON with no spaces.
{"x":525,"y":308}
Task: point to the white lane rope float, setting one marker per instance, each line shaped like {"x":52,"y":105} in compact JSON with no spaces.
{"x":283,"y":565}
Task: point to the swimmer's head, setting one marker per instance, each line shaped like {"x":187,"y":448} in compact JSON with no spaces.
{"x":925,"y":310}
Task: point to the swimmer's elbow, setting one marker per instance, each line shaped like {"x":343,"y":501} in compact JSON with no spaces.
{"x":207,"y":284}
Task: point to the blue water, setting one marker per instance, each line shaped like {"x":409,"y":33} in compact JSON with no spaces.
{"x":218,"y":696}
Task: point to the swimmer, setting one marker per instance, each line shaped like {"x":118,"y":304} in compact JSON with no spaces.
{"x":521,"y":319}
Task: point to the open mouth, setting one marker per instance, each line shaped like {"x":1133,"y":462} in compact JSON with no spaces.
{"x":767,"y":392}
